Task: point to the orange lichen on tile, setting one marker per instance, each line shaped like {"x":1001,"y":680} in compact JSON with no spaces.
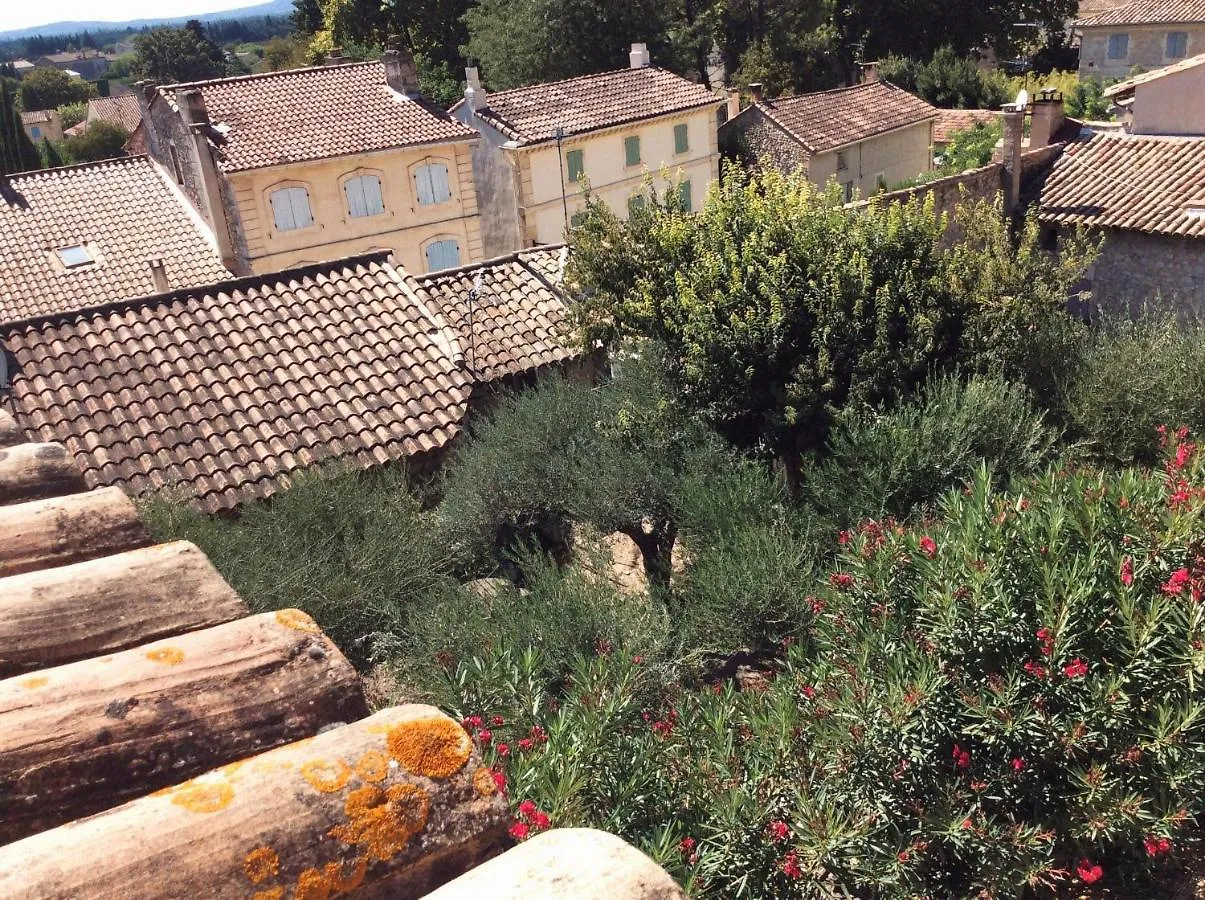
{"x":373,"y":766}
{"x":382,"y":822}
{"x":433,"y":746}
{"x":275,"y":893}
{"x":203,"y":798}
{"x":297,"y":620}
{"x":329,"y":881}
{"x":326,"y":775}
{"x":483,"y":780}
{"x":261,"y":864}
{"x":31,"y":684}
{"x":169,"y":656}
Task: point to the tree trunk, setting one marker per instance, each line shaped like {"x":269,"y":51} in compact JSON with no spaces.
{"x":392,"y":806}
{"x":656,"y":551}
{"x":83,"y":737}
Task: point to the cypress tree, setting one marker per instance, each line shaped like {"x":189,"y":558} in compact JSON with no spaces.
{"x":51,"y":157}
{"x":17,"y":151}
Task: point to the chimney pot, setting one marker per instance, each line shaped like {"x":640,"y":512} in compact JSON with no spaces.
{"x":1048,"y":118}
{"x":192,"y":106}
{"x":870,"y":72}
{"x":159,"y":276}
{"x":1014,"y":127}
{"x":639,"y":57}
{"x":400,"y":72}
{"x":734,"y":103}
{"x":474,"y":93}
{"x":757,"y":91}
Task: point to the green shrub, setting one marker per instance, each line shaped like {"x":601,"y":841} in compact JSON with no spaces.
{"x":1133,"y":376}
{"x":353,"y":549}
{"x":947,"y":80}
{"x":1006,"y":700}
{"x":880,"y":464}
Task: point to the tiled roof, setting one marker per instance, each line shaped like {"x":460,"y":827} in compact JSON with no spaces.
{"x":951,"y":121}
{"x":226,"y":390}
{"x":1147,"y":184}
{"x":516,"y":324}
{"x":831,"y":119}
{"x":1148,"y":12}
{"x":1126,"y":88}
{"x":122,"y":110}
{"x":123,"y":210}
{"x":549,"y":262}
{"x":36,"y":116}
{"x":303,"y":114}
{"x":532,"y":114}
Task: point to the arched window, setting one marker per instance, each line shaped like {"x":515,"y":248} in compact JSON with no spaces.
{"x":443,"y":254}
{"x":364,"y":196}
{"x":431,"y":184}
{"x":291,"y":208}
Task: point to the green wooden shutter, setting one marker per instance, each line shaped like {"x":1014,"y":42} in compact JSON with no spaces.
{"x":631,"y":150}
{"x":575,"y":164}
{"x":681,"y":138}
{"x":684,"y":195}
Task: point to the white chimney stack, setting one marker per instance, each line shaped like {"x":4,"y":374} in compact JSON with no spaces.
{"x":639,"y":57}
{"x":474,"y":93}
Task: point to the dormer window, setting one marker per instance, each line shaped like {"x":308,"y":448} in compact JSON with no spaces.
{"x":74,"y":256}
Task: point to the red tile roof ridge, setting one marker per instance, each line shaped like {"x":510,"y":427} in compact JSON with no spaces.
{"x":94,"y":164}
{"x":261,"y":76}
{"x":383,"y":257}
{"x":514,"y":255}
{"x":571,"y":78}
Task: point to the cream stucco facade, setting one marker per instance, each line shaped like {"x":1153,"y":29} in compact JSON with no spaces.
{"x":1173,"y":104}
{"x":1145,"y":47}
{"x":405,"y":227}
{"x":879,"y":162}
{"x":543,"y":175}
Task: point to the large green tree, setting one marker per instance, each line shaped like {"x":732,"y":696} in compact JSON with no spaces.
{"x":52,"y":88}
{"x":434,"y":28}
{"x":170,"y":55}
{"x":17,"y":151}
{"x":778,"y":306}
{"x":102,"y":140}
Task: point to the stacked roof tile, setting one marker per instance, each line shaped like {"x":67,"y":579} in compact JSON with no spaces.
{"x":828,"y":120}
{"x":532,"y":114}
{"x":122,"y":110}
{"x":508,"y":318}
{"x":951,"y":121}
{"x":303,"y":114}
{"x":1148,"y":12}
{"x":35,"y":117}
{"x":1154,"y":185}
{"x":122,"y":211}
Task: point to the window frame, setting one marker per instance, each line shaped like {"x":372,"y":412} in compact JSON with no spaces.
{"x":685,"y":198}
{"x":842,"y":162}
{"x":630,"y":141}
{"x":425,"y":166}
{"x":62,"y":253}
{"x":682,"y":129}
{"x":847,"y":189}
{"x":358,"y":177}
{"x":35,"y":132}
{"x":439,"y":241}
{"x":575,"y":165}
{"x":1167,"y":45}
{"x":289,"y":187}
{"x":1124,"y":37}
{"x":635,"y":203}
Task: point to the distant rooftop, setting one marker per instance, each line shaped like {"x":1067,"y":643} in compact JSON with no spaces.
{"x":1148,"y":12}
{"x":1125,"y":88}
{"x":122,"y":109}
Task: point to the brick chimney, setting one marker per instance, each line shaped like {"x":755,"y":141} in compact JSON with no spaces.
{"x":474,"y":93}
{"x":1014,"y":127}
{"x":334,"y":57}
{"x":1048,"y":118}
{"x":400,"y":72}
{"x":639,"y":57}
{"x":757,"y":91}
{"x":734,"y":103}
{"x":870,"y":72}
{"x":192,"y":107}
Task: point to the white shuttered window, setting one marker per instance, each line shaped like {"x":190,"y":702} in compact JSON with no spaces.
{"x":443,"y":255}
{"x":291,"y":208}
{"x":431,"y":184}
{"x":364,"y":196}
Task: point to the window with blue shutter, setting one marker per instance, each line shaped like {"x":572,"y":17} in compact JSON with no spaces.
{"x":681,"y":138}
{"x":635,"y":204}
{"x":431,"y":184}
{"x":1119,"y":46}
{"x":684,"y":195}
{"x":1177,"y":44}
{"x":443,"y":255}
{"x":631,"y":150}
{"x":575,"y":164}
{"x":291,"y":208}
{"x":364,"y":196}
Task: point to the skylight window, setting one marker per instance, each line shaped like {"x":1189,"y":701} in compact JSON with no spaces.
{"x":75,"y":256}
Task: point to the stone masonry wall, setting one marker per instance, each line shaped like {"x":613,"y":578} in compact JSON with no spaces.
{"x":1134,"y":268}
{"x":752,"y":137}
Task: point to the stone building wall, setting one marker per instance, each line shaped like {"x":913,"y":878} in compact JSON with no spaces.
{"x":1136,"y":268}
{"x":752,"y":137}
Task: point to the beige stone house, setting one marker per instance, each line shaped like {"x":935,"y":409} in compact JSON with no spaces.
{"x":1170,"y":100}
{"x":542,"y":144}
{"x":867,"y":138}
{"x":42,"y":123}
{"x":1146,"y":34}
{"x":309,"y":165}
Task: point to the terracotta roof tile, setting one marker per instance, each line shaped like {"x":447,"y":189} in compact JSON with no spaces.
{"x":516,"y":324}
{"x":1149,"y":184}
{"x":1148,"y":12}
{"x":303,"y":114}
{"x":124,"y":209}
{"x":369,"y":374}
{"x":122,"y":110}
{"x":831,"y":119}
{"x":532,"y":114}
{"x":36,"y":116}
{"x":951,"y":121}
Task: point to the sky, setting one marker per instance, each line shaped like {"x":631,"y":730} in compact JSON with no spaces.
{"x":17,"y":14}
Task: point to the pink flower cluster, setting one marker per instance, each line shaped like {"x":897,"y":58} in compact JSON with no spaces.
{"x":530,"y":821}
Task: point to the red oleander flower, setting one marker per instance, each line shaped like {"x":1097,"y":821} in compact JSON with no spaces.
{"x":903,"y":856}
{"x":790,"y":866}
{"x":471,"y":722}
{"x":485,"y":736}
{"x":841,"y":580}
{"x":1037,"y":670}
{"x":816,"y":604}
{"x":603,"y":647}
{"x":809,"y":691}
{"x":1046,"y":639}
{"x":686,"y":846}
{"x":638,"y":659}
{"x":519,"y":831}
{"x":499,"y":779}
{"x":962,"y":758}
{"x":1076,"y":668}
{"x":540,"y":820}
{"x":503,"y":749}
{"x":1175,"y":584}
{"x":778,"y":830}
{"x":526,"y":809}
{"x":1018,"y":764}
{"x":1183,"y":452}
{"x":525,"y":743}
{"x":928,"y":546}
{"x":1156,"y":846}
{"x":842,"y":538}
{"x":1127,"y":571}
{"x":497,"y":721}
{"x":1088,"y":871}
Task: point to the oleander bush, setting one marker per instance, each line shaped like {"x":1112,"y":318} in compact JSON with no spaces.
{"x":1004,"y":698}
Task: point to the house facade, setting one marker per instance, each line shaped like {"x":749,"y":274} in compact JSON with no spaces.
{"x":542,"y":145}
{"x":1170,"y":100}
{"x":42,"y":123}
{"x":1144,"y":34}
{"x":309,"y":165}
{"x":867,"y":138}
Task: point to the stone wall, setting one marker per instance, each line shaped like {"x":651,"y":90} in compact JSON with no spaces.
{"x":497,"y":188}
{"x":1147,"y":48}
{"x":1135,"y":268}
{"x":751,"y":138}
